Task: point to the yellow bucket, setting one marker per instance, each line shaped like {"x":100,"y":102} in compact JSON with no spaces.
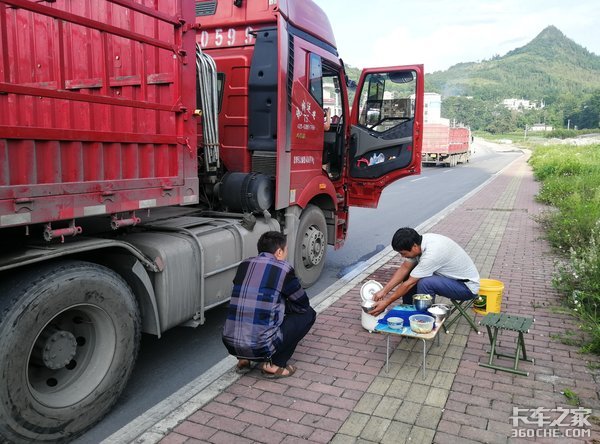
{"x":490,"y":297}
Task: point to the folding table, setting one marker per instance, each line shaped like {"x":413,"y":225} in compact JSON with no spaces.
{"x":404,"y":311}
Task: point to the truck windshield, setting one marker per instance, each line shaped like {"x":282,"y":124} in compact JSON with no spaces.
{"x":387,"y":100}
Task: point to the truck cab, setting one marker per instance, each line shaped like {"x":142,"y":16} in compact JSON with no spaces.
{"x":285,"y":113}
{"x":145,"y":146}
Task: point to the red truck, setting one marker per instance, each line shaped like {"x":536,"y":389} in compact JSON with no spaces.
{"x":444,"y":144}
{"x":144,"y":147}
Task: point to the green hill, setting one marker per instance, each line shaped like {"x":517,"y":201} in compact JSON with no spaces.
{"x":549,"y":66}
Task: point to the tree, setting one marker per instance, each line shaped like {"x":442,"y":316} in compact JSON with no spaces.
{"x":503,"y":121}
{"x":587,"y":115}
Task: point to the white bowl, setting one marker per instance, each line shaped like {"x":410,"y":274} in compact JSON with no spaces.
{"x":395,"y":323}
{"x":438,"y":313}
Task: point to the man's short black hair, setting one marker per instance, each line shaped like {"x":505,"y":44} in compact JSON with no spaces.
{"x":270,"y":242}
{"x":405,"y":238}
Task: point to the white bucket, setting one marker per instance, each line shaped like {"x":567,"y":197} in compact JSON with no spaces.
{"x":369,"y":322}
{"x":368,"y":289}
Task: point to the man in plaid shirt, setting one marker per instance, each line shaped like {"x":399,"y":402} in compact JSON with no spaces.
{"x":269,"y":312}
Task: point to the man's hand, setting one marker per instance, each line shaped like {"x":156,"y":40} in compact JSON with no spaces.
{"x":378,"y":308}
{"x":378,"y":296}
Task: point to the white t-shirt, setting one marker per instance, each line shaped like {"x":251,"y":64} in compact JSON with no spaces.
{"x":444,"y":257}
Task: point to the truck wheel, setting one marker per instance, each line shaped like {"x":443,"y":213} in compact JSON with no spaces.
{"x":311,"y":243}
{"x":69,"y":335}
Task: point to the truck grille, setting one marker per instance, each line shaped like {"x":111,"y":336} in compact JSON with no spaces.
{"x":264,"y":162}
{"x":206,"y":8}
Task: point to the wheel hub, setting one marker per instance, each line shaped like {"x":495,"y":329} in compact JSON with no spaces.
{"x":59,"y":349}
{"x":313,"y":247}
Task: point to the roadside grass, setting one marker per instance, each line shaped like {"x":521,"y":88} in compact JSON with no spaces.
{"x":521,"y":136}
{"x":572,"y":397}
{"x":514,"y":137}
{"x":570,"y":182}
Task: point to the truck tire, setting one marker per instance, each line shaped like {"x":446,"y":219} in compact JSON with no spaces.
{"x":311,"y":244}
{"x":69,"y":335}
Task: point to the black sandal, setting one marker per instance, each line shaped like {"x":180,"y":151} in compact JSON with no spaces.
{"x":279,"y":372}
{"x":244,"y":366}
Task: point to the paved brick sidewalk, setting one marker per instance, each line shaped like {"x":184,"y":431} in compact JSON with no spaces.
{"x":342,"y":393}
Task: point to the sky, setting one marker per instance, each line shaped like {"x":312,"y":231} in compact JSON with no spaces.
{"x":441,"y":33}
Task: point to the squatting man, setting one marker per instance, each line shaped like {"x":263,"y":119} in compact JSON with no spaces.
{"x":434,"y":264}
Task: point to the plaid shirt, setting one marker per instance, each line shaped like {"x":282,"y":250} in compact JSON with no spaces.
{"x":264,"y":288}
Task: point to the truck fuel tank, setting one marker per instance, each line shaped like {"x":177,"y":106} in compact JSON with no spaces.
{"x":200,"y":257}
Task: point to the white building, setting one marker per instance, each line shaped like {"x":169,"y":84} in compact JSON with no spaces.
{"x":540,"y":127}
{"x":332,"y":97}
{"x":520,"y":104}
{"x":432,"y":107}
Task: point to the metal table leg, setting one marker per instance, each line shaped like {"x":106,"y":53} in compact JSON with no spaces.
{"x":424,"y":364}
{"x":424,"y":355}
{"x":387,"y":354}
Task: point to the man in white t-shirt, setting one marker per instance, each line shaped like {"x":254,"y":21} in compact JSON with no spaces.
{"x":434,"y":264}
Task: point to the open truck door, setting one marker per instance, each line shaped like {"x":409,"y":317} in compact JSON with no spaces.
{"x":386,"y":131}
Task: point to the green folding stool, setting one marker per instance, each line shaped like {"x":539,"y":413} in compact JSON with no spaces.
{"x":459,"y":310}
{"x":502,"y":321}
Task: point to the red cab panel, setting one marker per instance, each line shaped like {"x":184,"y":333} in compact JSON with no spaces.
{"x":386,"y":131}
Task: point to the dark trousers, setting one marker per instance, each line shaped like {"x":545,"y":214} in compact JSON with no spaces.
{"x":444,"y":286}
{"x":294,"y":327}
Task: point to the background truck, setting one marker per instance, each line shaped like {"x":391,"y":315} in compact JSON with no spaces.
{"x":444,"y":144}
{"x":144,"y":147}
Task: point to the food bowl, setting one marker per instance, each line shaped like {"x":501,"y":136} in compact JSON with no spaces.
{"x":421,"y":323}
{"x":422,"y":301}
{"x":395,"y":323}
{"x":367,"y":306}
{"x":439,"y":312}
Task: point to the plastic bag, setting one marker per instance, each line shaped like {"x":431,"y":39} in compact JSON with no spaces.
{"x":376,"y":158}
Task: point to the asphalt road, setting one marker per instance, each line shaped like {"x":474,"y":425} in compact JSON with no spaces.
{"x":182,"y":354}
{"x":407,"y":203}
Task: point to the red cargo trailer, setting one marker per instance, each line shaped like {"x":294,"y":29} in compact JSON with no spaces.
{"x":446,"y":145}
{"x":144,"y":148}
{"x":96,"y":111}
